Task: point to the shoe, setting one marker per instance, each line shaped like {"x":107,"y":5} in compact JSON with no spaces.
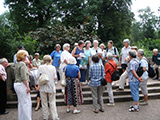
{"x":141,"y":100}
{"x":101,"y":110}
{"x":111,"y":104}
{"x":132,"y":109}
{"x":96,"y":111}
{"x":37,"y":108}
{"x":56,"y":83}
{"x":56,"y":119}
{"x":76,"y":111}
{"x":143,"y":103}
{"x":6,"y":112}
{"x":68,"y":110}
{"x":120,"y":89}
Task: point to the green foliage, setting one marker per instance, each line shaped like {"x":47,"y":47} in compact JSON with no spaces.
{"x":148,"y":45}
{"x":54,"y":34}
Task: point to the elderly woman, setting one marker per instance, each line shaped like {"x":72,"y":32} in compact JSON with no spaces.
{"x":3,"y":89}
{"x":110,"y":67}
{"x":97,"y":50}
{"x":48,"y":90}
{"x":64,"y":59}
{"x":78,"y":53}
{"x":143,"y":85}
{"x":87,"y":52}
{"x":96,"y":73}
{"x":73,"y":92}
{"x":56,"y":54}
{"x":21,"y":87}
{"x":134,"y":80}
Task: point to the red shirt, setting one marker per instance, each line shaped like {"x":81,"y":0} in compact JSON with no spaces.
{"x":109,"y":70}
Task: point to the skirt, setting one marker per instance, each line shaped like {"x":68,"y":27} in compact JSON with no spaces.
{"x":73,"y":92}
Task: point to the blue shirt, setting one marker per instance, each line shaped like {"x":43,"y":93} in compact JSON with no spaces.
{"x":56,"y":57}
{"x":133,"y":65}
{"x":96,"y":73}
{"x":71,"y":71}
{"x":144,"y":63}
{"x":87,"y":54}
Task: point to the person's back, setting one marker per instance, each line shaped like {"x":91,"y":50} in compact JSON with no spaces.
{"x":51,"y":72}
{"x":110,"y":67}
{"x":71,"y":70}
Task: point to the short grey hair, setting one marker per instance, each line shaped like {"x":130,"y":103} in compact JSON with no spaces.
{"x":102,"y":45}
{"x":141,"y":52}
{"x":126,"y":40}
{"x":133,"y":53}
{"x":155,"y":50}
{"x":2,"y":60}
{"x":47,"y":59}
{"x":109,"y":56}
{"x":66,"y":45}
{"x":95,"y":41}
{"x":87,"y":42}
{"x":72,"y":60}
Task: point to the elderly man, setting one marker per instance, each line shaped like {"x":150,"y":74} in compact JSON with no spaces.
{"x":36,"y":61}
{"x":3,"y":90}
{"x":124,"y":54}
{"x":156,"y":62}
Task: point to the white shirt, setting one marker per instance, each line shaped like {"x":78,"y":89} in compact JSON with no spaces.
{"x":3,"y":72}
{"x":65,"y":56}
{"x":125,"y":54}
{"x":51,"y":72}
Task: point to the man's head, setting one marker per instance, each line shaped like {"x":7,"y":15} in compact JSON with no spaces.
{"x":4,"y":62}
{"x":21,"y":47}
{"x":155,"y":52}
{"x":126,"y":42}
{"x":37,"y":56}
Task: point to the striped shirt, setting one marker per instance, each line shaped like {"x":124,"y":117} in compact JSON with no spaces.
{"x":96,"y":72}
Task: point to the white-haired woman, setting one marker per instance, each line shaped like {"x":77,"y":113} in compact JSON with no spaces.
{"x":64,"y":59}
{"x":110,"y":67}
{"x":143,"y":85}
{"x":48,"y":90}
{"x":73,"y":92}
{"x":97,"y":50}
{"x":21,"y":87}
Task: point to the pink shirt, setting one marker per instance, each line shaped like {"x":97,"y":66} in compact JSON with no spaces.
{"x":3,"y":72}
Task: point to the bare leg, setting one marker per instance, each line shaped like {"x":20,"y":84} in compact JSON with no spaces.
{"x":38,"y":103}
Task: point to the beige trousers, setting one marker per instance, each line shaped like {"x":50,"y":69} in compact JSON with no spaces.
{"x":123,"y":78}
{"x":52,"y":104}
{"x":157,"y":67}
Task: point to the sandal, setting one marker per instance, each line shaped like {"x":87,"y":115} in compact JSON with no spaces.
{"x":95,"y":111}
{"x":37,"y":108}
{"x":102,"y":110}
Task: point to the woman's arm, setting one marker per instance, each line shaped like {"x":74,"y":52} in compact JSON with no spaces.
{"x":65,"y":61}
{"x":27,"y":86}
{"x":79,"y":75}
{"x":2,"y":77}
{"x":73,"y":52}
{"x":89,"y":61}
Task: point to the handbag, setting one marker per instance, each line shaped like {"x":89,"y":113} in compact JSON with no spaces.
{"x":43,"y":79}
{"x":63,"y":81}
{"x":103,"y":80}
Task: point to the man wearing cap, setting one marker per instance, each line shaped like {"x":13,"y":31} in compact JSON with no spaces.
{"x":36,"y":61}
{"x":3,"y":89}
{"x":21,"y":47}
{"x":124,"y":54}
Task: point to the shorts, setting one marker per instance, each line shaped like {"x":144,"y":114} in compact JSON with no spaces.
{"x":38,"y":94}
{"x":124,"y":66}
{"x":143,"y":86}
{"x":134,"y":86}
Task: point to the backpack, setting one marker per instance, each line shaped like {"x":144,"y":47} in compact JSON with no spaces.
{"x":115,"y":52}
{"x":115,"y":75}
{"x":139,"y":70}
{"x":151,"y":71}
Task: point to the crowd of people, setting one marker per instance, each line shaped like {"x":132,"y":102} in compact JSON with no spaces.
{"x":83,"y":66}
